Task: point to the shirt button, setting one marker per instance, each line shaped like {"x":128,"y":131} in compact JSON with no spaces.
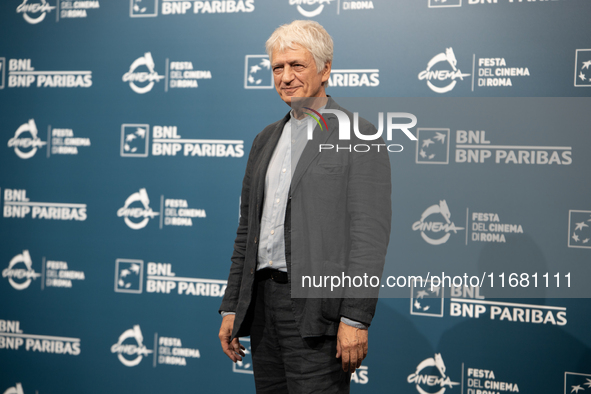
{"x":277,"y":200}
{"x":270,"y":262}
{"x":284,"y":170}
{"x":272,"y":232}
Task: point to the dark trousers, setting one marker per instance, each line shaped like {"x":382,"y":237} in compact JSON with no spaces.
{"x":283,"y":361}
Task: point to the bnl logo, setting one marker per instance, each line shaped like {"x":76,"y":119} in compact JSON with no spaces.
{"x":244,"y":366}
{"x":432,"y":146}
{"x":579,"y":229}
{"x":128,"y":276}
{"x":575,"y":382}
{"x":444,"y":3}
{"x":2,"y":71}
{"x":134,"y":140}
{"x":257,"y":72}
{"x":143,"y":8}
{"x":583,"y":67}
{"x":426,"y":300}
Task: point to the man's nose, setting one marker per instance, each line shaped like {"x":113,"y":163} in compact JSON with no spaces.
{"x":288,"y":74}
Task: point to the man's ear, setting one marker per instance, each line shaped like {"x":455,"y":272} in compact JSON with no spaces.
{"x":326,"y":71}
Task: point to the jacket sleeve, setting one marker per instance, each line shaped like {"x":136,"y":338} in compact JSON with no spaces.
{"x":230,"y":300}
{"x":370,"y":211}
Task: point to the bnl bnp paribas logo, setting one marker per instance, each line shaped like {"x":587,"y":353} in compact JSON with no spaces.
{"x":435,"y":224}
{"x":257,"y":72}
{"x":444,"y":3}
{"x":442,"y":72}
{"x":583,"y":68}
{"x":143,"y":8}
{"x":166,"y":141}
{"x":576,"y":382}
{"x":149,"y":8}
{"x":579,"y":229}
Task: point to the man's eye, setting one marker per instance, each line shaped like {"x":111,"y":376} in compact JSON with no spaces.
{"x":278,"y":69}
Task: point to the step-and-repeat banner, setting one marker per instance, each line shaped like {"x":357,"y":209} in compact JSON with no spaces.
{"x":124,"y":132}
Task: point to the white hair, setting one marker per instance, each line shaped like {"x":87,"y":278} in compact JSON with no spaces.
{"x":308,"y":34}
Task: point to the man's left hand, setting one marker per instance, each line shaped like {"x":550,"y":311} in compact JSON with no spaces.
{"x":351,"y":346}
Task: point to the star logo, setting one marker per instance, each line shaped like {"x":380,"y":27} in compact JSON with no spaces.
{"x":444,"y":3}
{"x":143,"y":8}
{"x":427,"y":142}
{"x":257,"y":72}
{"x":432,"y":146}
{"x":134,"y":140}
{"x":128,"y":276}
{"x":579,"y":229}
{"x":583,"y":67}
{"x":426,"y":300}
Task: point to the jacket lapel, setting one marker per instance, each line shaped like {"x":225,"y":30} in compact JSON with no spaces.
{"x":265,"y":159}
{"x":311,"y":149}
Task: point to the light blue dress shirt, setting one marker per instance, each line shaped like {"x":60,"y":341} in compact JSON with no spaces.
{"x":285,"y":157}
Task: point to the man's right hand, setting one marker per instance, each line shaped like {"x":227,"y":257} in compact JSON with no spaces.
{"x":234,"y":348}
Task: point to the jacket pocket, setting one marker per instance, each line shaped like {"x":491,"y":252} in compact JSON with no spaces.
{"x":329,"y":169}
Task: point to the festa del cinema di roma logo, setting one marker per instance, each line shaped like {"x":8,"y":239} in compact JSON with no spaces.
{"x":423,"y":380}
{"x":24,"y":146}
{"x":433,"y":73}
{"x":311,"y":13}
{"x":17,"y":389}
{"x":428,"y":227}
{"x":41,"y":9}
{"x":131,"y":354}
{"x":20,"y":278}
{"x":144,"y":213}
{"x":137,"y":78}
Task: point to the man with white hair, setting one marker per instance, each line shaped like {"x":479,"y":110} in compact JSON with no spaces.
{"x":299,"y":344}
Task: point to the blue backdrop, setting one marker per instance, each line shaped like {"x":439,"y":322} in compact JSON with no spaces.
{"x":126,"y":126}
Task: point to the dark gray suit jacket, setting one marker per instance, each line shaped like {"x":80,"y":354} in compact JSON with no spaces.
{"x":337,"y":221}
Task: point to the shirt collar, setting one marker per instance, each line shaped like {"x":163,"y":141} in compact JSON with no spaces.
{"x":299,"y":122}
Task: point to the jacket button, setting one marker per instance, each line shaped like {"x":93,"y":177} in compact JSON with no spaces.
{"x":252,"y":271}
{"x":255,"y":240}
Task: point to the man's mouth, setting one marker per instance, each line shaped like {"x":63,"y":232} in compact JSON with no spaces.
{"x":291,"y":90}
